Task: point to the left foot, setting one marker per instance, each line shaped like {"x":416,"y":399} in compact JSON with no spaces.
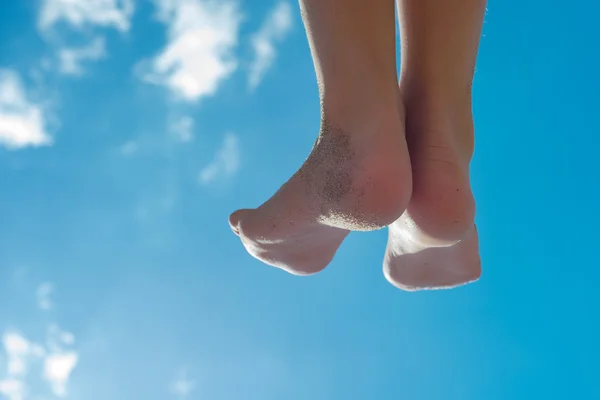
{"x":357,"y":177}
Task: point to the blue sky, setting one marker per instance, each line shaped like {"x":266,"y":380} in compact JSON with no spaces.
{"x":130,"y":129}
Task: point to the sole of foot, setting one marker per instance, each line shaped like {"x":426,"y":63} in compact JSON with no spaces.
{"x":357,"y":177}
{"x":434,"y":244}
{"x":411,"y":267}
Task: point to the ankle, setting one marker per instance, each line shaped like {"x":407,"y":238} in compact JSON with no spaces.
{"x":363,"y":115}
{"x":440,"y":115}
{"x":438,"y":85}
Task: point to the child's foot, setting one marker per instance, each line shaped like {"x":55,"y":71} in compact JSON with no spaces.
{"x":357,"y":177}
{"x":434,"y":243}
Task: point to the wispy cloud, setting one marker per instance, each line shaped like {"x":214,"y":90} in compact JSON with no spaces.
{"x":181,"y":128}
{"x":17,"y":349}
{"x":43,"y":293}
{"x":27,"y":360}
{"x":199,"y":55}
{"x":22,"y":122}
{"x":12,"y":389}
{"x":85,"y":16}
{"x":182,"y":386}
{"x":273,"y":30}
{"x":84,"y":13}
{"x":19,"y":353}
{"x":128,"y":148}
{"x":56,"y":338}
{"x":71,"y":59}
{"x":225,"y":163}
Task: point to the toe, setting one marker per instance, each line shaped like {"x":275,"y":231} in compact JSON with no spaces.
{"x":234,"y":220}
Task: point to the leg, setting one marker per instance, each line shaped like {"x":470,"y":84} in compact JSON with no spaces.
{"x":357,"y":176}
{"x":434,"y":243}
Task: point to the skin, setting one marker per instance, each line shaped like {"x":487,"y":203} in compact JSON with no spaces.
{"x":359,"y":175}
{"x":434,"y":244}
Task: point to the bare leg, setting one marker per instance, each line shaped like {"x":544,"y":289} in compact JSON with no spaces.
{"x":357,"y":176}
{"x":434,"y":243}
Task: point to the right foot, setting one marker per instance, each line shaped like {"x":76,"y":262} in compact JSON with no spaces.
{"x":412,"y":266}
{"x":357,"y":177}
{"x":441,"y":141}
{"x":434,"y":244}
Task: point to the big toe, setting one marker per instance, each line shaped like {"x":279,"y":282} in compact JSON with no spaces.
{"x":235,"y":218}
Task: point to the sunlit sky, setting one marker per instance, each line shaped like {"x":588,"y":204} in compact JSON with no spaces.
{"x":130,"y":129}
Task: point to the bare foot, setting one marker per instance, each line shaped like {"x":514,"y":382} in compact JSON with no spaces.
{"x":434,"y":244}
{"x":356,"y":178}
{"x":411,"y":266}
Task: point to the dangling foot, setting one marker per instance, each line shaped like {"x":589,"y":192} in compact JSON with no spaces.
{"x":357,"y":177}
{"x":434,"y":244}
{"x":411,"y":266}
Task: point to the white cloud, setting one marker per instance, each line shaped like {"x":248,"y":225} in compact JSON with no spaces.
{"x":225,"y":163}
{"x":18,"y":352}
{"x":274,"y":29}
{"x":13,"y":389}
{"x":199,"y":54}
{"x":22,"y":123}
{"x":15,"y":344}
{"x":182,"y":128}
{"x":71,"y":59}
{"x":60,"y":362}
{"x":43,"y":293}
{"x":58,"y":368}
{"x":23,"y":368}
{"x":83,"y":13}
{"x":17,"y":349}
